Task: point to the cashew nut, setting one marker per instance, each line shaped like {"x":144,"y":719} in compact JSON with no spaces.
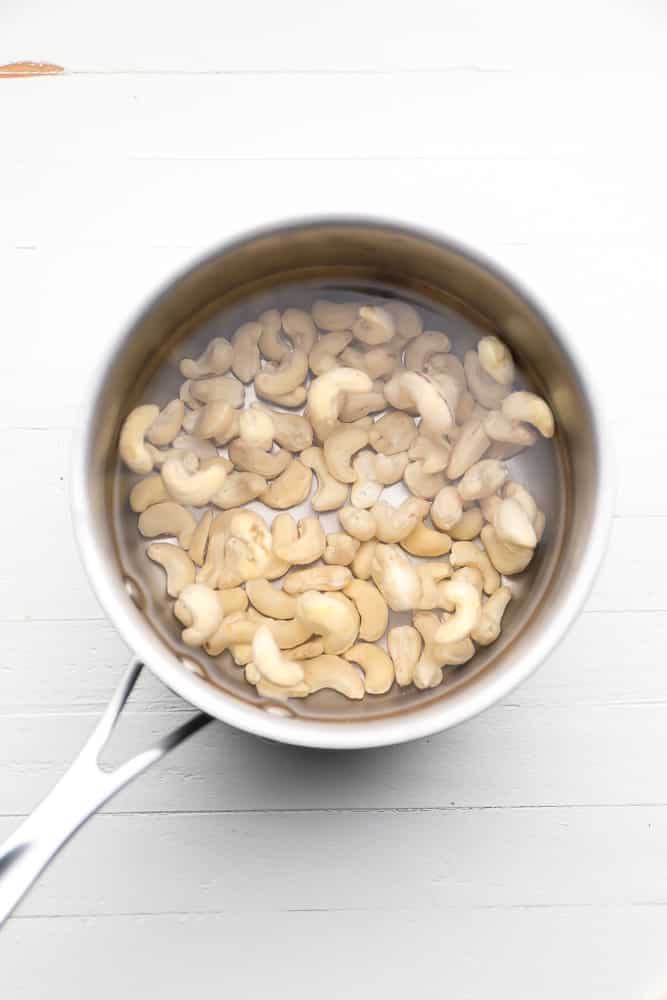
{"x":298,"y":544}
{"x":218,"y":387}
{"x":147,"y":492}
{"x":326,"y":396}
{"x":360,"y":404}
{"x":436,"y":655}
{"x":469,"y":554}
{"x":330,"y":493}
{"x":296,"y":397}
{"x":423,"y":394}
{"x":132,"y":445}
{"x":333,"y":616}
{"x":232,"y":600}
{"x":513,"y":525}
{"x":446,"y":509}
{"x":317,"y":578}
{"x":324,"y":355}
{"x":407,"y":320}
{"x":199,"y":540}
{"x":177,"y":565}
{"x":249,"y":458}
{"x":489,"y":507}
{"x":396,"y":577}
{"x":248,"y":547}
{"x":467,"y":608}
{"x":431,"y":575}
{"x":287,"y":376}
{"x":433,"y":453}
{"x":421,"y":484}
{"x":389,"y":469}
{"x":334,"y":673}
{"x":377,"y":362}
{"x":496,"y":360}
{"x":290,"y":488}
{"x":374,"y":326}
{"x":216,"y":420}
{"x":485,"y":389}
{"x":168,"y":519}
{"x":245,"y":362}
{"x":531,"y":409}
{"x":198,"y":608}
{"x":300,"y":330}
{"x":256,"y":428}
{"x":269,"y":600}
{"x":290,"y":430}
{"x":423,"y":541}
{"x":488,"y":627}
{"x":405,"y":646}
{"x":363,"y":561}
{"x":188,"y":484}
{"x":270,"y":661}
{"x":394,"y":432}
{"x":482,"y":479}
{"x":420,"y":350}
{"x":468,"y":449}
{"x":215,"y":360}
{"x":339,"y":448}
{"x":307,"y":650}
{"x":376,"y":664}
{"x":271,"y":344}
{"x":507,"y":559}
{"x":372,"y":608}
{"x":367,"y":489}
{"x":340,"y":549}
{"x":393,"y":524}
{"x":498,"y":427}
{"x":357,"y":522}
{"x":335,"y":315}
{"x":167,"y":424}
{"x":519,"y":493}
{"x":239,"y":488}
{"x":287,"y":633}
{"x":468,"y":525}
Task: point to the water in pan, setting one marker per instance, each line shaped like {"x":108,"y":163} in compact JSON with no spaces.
{"x":540,"y":468}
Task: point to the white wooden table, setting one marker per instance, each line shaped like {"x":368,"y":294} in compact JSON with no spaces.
{"x":521,"y":855}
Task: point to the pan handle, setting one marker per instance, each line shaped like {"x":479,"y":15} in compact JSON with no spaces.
{"x":80,"y":792}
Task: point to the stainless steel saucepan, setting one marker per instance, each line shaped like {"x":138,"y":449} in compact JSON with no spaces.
{"x":570,"y":475}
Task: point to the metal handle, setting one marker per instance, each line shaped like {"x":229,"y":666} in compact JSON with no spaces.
{"x":80,"y":792}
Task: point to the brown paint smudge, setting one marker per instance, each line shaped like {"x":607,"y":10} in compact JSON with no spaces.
{"x":16,"y":69}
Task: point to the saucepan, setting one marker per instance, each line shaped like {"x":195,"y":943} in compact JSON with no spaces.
{"x":270,"y":267}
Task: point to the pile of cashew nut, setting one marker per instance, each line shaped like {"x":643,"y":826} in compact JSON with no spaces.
{"x":446,"y":429}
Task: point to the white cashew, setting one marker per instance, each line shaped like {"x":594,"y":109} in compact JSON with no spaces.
{"x":297,"y":397}
{"x":471,"y":574}
{"x":423,"y":541}
{"x":489,"y":507}
{"x":132,"y":445}
{"x":498,"y":427}
{"x":256,"y":427}
{"x":218,"y":387}
{"x":357,"y":405}
{"x":496,"y":360}
{"x":339,"y":448}
{"x":372,"y":608}
{"x":177,"y":565}
{"x":271,"y":344}
{"x":420,"y":484}
{"x":307,"y":650}
{"x":406,"y":318}
{"x":507,"y":559}
{"x":513,"y":525}
{"x":334,"y":315}
{"x":324,"y":355}
{"x":340,"y":549}
{"x":232,"y":600}
{"x":245,"y":362}
{"x":519,"y":493}
{"x":290,"y":430}
{"x":167,"y":424}
{"x":334,"y":673}
{"x":363,"y":561}
{"x":186,"y":396}
{"x":331,"y":615}
{"x":287,"y":376}
{"x":482,"y":479}
{"x":197,"y":608}
{"x":270,"y":601}
{"x":239,"y":488}
{"x":248,"y":547}
{"x":249,"y":458}
{"x":405,"y":645}
{"x":468,"y":525}
{"x":326,"y":396}
{"x":447,"y":508}
{"x":290,"y":488}
{"x":467,"y":608}
{"x":288,"y":634}
{"x":357,"y":522}
{"x":298,"y":544}
{"x":147,"y":492}
{"x":431,"y":575}
{"x":300,"y":330}
{"x":393,"y":524}
{"x":374,"y":326}
{"x":193,"y":487}
{"x":435,"y":655}
{"x":376,"y":664}
{"x":490,"y":621}
{"x":470,"y":445}
{"x":377,"y":362}
{"x":317,"y":578}
{"x":199,"y":540}
{"x":469,"y":554}
{"x":330,"y":493}
{"x":432,"y":452}
{"x":425,"y":396}
{"x":216,"y":420}
{"x":530,"y":409}
{"x":168,"y":519}
{"x":215,"y":360}
{"x":271,"y":663}
{"x":420,"y":350}
{"x":396,"y":577}
{"x":394,"y":432}
{"x":485,"y":389}
{"x":367,"y":489}
{"x":389,"y":469}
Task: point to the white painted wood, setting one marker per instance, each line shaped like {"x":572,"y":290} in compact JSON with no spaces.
{"x":520,"y":855}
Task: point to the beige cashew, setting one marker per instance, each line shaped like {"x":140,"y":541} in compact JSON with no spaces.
{"x":372,"y":608}
{"x":298,"y":544}
{"x":290,"y":430}
{"x":485,"y":389}
{"x":467,"y":609}
{"x":394,"y":432}
{"x":496,"y":360}
{"x":376,"y":664}
{"x":270,"y":662}
{"x":297,"y":397}
{"x":250,"y":458}
{"x":396,"y":577}
{"x":330,"y":493}
{"x":420,"y":350}
{"x":290,"y":488}
{"x":245,"y":362}
{"x":287,"y":633}
{"x":147,"y":492}
{"x":317,"y":578}
{"x":270,"y":601}
{"x":132,"y":445}
{"x":168,"y":519}
{"x":217,"y":570}
{"x":332,"y":616}
{"x":431,"y":575}
{"x":366,"y":490}
{"x":235,"y":629}
{"x":405,"y":645}
{"x":470,"y":445}
{"x":377,"y":362}
{"x":421,"y":484}
{"x":202,"y":450}
{"x":407,"y":320}
{"x":435,"y":655}
{"x":197,"y":608}
{"x":218,"y":387}
{"x":239,"y":488}
{"x":530,"y":409}
{"x":214,"y":420}
{"x":185,"y":394}
{"x":324,"y":354}
{"x":513,"y":525}
{"x":271,"y":344}
{"x":232,"y":600}
{"x":300,"y":330}
{"x":467,"y":405}
{"x":471,"y":574}
{"x":307,"y":650}
{"x":289,"y":374}
{"x":339,"y":448}
{"x":326,"y":396}
{"x":274,"y":691}
{"x":256,"y":428}
{"x":447,"y":364}
{"x":167,"y":424}
{"x":334,"y":315}
{"x":374,"y":326}
{"x":340,"y":549}
{"x":357,"y":522}
{"x":507,"y":559}
{"x":423,"y":541}
{"x":193,"y":487}
{"x":519,"y":493}
{"x":393,"y":524}
{"x":468,"y":526}
{"x":334,"y":673}
{"x":177,"y":565}
{"x":469,"y":554}
{"x":425,"y":396}
{"x":199,"y":540}
{"x":503,"y":451}
{"x":446,"y":509}
{"x":389,"y":469}
{"x":482,"y":479}
{"x":215,"y":360}
{"x":489,"y":507}
{"x":357,"y":405}
{"x":249,"y":546}
{"x":433,"y":453}
{"x":490,"y":621}
{"x":276,"y":567}
{"x":363,"y":561}
{"x":500,"y":428}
